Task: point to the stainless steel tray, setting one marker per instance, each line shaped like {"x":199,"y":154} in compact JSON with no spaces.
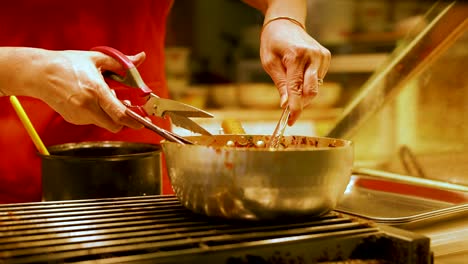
{"x":397,"y":202}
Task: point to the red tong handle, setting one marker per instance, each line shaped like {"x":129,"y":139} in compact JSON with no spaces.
{"x":120,"y":87}
{"x":126,"y":63}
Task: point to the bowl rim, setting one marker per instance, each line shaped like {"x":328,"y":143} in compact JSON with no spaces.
{"x":347,"y":144}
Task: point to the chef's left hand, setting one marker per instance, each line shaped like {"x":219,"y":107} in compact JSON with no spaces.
{"x":295,"y":61}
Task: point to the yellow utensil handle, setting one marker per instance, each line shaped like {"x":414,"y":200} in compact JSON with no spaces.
{"x":28,"y":125}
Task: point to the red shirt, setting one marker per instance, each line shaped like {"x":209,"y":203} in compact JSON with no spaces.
{"x":129,"y":26}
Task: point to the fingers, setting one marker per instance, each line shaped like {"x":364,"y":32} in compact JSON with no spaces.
{"x":325,"y":56}
{"x":83,"y":110}
{"x":311,"y":85}
{"x":274,"y":67}
{"x":103,"y":120}
{"x":295,"y":62}
{"x":104,"y":110}
{"x":295,"y":77}
{"x":306,"y":68}
{"x":115,"y":111}
{"x":315,"y":73}
{"x":114,"y":116}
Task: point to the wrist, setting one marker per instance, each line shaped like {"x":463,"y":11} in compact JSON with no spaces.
{"x":290,"y":19}
{"x":294,"y":9}
{"x":21,"y":66}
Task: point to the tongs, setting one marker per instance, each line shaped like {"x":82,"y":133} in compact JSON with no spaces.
{"x":144,"y":102}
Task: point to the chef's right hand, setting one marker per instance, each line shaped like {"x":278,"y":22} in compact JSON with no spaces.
{"x":296,"y":63}
{"x":71,"y":82}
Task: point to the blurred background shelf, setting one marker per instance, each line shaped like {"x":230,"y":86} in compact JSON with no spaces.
{"x":313,"y":122}
{"x":273,"y":114}
{"x":362,"y":63}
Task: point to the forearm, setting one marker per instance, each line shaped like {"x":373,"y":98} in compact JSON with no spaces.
{"x":17,"y":67}
{"x":296,"y":9}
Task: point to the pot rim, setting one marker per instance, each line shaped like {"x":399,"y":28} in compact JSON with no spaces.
{"x":151,"y":149}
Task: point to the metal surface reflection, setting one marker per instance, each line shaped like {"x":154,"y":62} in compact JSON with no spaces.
{"x":306,"y":178}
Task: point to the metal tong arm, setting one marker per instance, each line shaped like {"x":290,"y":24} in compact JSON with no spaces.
{"x":162,"y":132}
{"x":161,"y":106}
{"x":279,"y":129}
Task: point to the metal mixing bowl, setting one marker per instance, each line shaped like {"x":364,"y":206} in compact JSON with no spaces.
{"x":306,"y":178}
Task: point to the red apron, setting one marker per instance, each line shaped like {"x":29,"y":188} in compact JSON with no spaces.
{"x":129,"y":26}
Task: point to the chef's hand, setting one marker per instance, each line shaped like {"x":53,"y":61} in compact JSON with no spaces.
{"x":71,"y":82}
{"x":295,"y":61}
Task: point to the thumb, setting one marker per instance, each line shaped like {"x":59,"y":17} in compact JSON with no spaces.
{"x":108,"y":63}
{"x":138,"y":58}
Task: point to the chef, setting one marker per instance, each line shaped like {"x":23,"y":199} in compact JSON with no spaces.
{"x":46,"y":62}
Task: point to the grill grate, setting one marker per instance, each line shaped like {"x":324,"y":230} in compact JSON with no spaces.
{"x":149,"y":228}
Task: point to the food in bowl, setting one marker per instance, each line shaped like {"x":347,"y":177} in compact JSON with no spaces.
{"x":294,"y":142}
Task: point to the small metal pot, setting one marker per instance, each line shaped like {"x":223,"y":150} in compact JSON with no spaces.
{"x":105,"y":169}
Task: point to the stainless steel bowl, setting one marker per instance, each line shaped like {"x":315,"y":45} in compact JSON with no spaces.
{"x":306,"y":178}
